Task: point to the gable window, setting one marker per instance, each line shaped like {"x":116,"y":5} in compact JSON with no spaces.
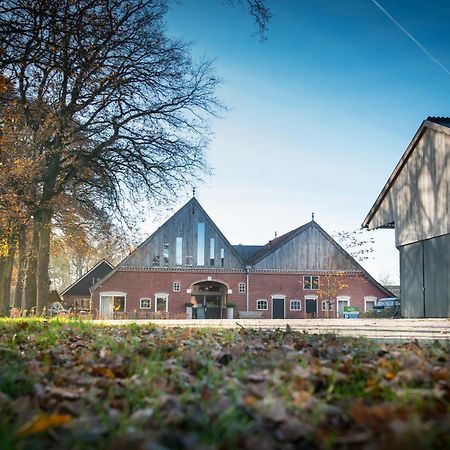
{"x":327,"y":305}
{"x":262,"y":305}
{"x":241,"y":288}
{"x":222,"y":257}
{"x":179,"y":251}
{"x":176,"y":286}
{"x":211,"y":251}
{"x":310,"y":282}
{"x":200,"y":244}
{"x":156,"y":260}
{"x":145,"y":303}
{"x":166,"y":254}
{"x":296,"y":305}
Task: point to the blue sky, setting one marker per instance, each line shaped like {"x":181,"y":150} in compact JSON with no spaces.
{"x":319,"y":113}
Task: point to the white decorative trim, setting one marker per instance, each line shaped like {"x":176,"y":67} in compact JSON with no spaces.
{"x":343,"y":298}
{"x":369,"y":298}
{"x":297,"y":301}
{"x":262,"y":300}
{"x":188,"y":291}
{"x":145,"y":307}
{"x":161,"y":295}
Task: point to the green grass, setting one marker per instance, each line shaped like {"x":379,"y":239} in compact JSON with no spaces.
{"x":137,"y":386}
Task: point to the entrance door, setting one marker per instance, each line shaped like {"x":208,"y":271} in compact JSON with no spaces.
{"x":340,"y":306}
{"x":106,"y":306}
{"x":278,"y":308}
{"x":209,"y":299}
{"x":311,"y":306}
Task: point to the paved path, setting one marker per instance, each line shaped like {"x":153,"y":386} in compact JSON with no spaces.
{"x":385,"y":329}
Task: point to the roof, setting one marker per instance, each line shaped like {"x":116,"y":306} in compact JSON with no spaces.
{"x":84,"y":283}
{"x":246,"y":252}
{"x":439,"y":124}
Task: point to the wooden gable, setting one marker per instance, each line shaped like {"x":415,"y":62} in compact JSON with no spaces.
{"x":188,"y":239}
{"x":416,"y":197}
{"x":306,"y":248}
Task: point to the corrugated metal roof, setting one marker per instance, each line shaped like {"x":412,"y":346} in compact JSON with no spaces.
{"x":440,"y":120}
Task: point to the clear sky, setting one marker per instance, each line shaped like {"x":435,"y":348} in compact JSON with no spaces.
{"x":319,"y":113}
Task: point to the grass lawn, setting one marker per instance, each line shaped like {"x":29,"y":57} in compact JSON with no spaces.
{"x":75,"y":385}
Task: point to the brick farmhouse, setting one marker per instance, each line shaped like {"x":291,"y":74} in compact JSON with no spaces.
{"x":188,"y":260}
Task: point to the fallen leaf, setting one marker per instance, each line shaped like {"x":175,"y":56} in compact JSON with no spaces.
{"x":43,"y":422}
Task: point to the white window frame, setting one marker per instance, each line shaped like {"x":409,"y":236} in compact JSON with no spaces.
{"x":145,"y":307}
{"x":113,"y":294}
{"x":324,"y":305}
{"x":311,"y":277}
{"x":242,"y":288}
{"x":367,"y":299}
{"x":176,"y":286}
{"x":299,"y":304}
{"x":162,"y":295}
{"x":262,"y":300}
{"x":312,"y":297}
{"x":342,"y":298}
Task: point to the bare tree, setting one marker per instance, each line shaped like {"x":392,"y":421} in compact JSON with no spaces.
{"x":112,"y":103}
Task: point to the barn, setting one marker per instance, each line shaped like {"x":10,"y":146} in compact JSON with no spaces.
{"x":415,"y":201}
{"x":189,"y":262}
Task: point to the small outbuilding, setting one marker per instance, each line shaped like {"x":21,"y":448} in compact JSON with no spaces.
{"x":77,"y":297}
{"x":415,"y":201}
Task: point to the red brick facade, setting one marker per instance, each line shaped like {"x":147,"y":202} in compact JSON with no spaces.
{"x":137,"y":284}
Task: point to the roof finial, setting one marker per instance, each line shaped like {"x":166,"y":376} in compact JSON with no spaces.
{"x":193,"y":191}
{"x":276,"y":234}
{"x":312,"y":216}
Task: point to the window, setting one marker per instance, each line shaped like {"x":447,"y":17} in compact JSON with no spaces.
{"x":310,"y":282}
{"x":119,"y":304}
{"x":176,"y":286}
{"x":262,"y":305}
{"x":82,"y":304}
{"x":200,"y":244}
{"x":211,"y":251}
{"x":179,"y":251}
{"x":161,"y":302}
{"x":156,"y":260}
{"x":222,"y":257}
{"x":369,"y":303}
{"x":166,"y":254}
{"x":145,"y":303}
{"x":296,"y":305}
{"x":242,"y":288}
{"x":327,"y":305}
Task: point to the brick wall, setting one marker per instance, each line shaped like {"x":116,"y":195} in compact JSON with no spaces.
{"x":142,"y":284}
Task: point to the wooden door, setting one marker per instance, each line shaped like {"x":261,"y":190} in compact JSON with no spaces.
{"x":278,"y":308}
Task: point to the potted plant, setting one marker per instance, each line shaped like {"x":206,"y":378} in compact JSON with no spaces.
{"x":189,"y":310}
{"x":230,"y":309}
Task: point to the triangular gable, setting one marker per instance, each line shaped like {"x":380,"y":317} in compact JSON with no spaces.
{"x":183,"y":224}
{"x":382,"y":214}
{"x":308,"y":248}
{"x":85,"y":282}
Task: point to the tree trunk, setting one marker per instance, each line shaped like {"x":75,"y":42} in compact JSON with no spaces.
{"x":30,"y":290}
{"x":21,"y":267}
{"x":4,"y":309}
{"x":6,"y":278}
{"x":43,"y":279}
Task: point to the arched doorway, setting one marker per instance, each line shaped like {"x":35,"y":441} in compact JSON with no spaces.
{"x":209,"y":299}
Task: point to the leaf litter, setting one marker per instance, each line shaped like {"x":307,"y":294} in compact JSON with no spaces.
{"x":75,"y":385}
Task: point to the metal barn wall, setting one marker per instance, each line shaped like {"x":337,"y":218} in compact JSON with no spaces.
{"x":411,"y":280}
{"x":425,"y":278}
{"x":437,"y":276}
